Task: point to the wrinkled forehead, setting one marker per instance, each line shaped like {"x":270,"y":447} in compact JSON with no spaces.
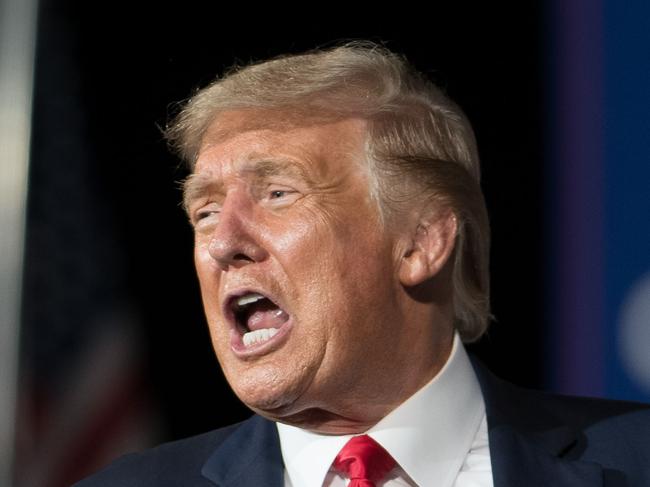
{"x":226,"y":124}
{"x":251,"y":135}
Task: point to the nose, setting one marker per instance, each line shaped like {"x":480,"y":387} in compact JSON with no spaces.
{"x":234,"y":242}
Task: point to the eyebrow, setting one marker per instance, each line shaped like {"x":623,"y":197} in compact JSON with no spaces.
{"x":197,"y":186}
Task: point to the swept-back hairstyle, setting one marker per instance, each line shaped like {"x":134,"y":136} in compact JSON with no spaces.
{"x":419,"y":146}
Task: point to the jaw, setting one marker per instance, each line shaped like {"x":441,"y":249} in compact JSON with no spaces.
{"x":325,"y":422}
{"x":305,"y":397}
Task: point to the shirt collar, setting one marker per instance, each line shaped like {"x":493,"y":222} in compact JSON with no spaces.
{"x":429,"y":435}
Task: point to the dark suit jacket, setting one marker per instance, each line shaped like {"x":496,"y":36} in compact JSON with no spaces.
{"x":536,"y":440}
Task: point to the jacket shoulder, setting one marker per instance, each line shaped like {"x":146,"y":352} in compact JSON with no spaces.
{"x":532,"y":410}
{"x":588,"y":414}
{"x":177,"y":463}
{"x":611,"y":433}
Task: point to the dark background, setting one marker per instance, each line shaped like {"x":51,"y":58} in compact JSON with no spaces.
{"x":106,"y":79}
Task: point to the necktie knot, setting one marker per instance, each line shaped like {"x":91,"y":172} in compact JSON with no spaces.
{"x":363,"y":461}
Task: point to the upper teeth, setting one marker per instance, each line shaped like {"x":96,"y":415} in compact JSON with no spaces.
{"x":248,"y":299}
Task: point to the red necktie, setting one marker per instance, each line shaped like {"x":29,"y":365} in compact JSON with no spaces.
{"x":363,"y":461}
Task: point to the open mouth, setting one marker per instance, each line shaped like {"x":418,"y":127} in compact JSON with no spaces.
{"x":257,"y":318}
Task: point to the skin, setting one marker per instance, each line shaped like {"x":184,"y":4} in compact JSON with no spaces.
{"x":285,"y":209}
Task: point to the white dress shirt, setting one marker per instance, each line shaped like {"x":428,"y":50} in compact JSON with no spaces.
{"x":438,"y":437}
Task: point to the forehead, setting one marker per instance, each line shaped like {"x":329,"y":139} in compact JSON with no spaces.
{"x":241,"y":138}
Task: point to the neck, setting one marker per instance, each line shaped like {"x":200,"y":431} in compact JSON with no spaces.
{"x":355,"y":412}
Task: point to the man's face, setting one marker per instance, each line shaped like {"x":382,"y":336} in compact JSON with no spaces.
{"x":297,"y":276}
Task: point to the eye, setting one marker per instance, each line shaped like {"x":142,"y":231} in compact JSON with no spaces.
{"x":278,"y":193}
{"x":206,"y":214}
{"x":202,"y":214}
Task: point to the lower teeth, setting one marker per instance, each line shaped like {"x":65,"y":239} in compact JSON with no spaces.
{"x":258,"y":336}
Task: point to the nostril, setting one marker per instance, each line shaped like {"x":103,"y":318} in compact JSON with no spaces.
{"x":242,"y":257}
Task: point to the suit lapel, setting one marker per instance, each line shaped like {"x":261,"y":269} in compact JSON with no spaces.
{"x":528,"y":444}
{"x":249,"y":457}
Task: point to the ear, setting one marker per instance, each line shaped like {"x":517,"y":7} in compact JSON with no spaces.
{"x":432,"y":243}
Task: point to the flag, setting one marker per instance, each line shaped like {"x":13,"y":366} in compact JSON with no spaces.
{"x":83,"y":394}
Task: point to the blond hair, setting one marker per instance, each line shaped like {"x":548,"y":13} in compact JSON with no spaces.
{"x":420,"y":144}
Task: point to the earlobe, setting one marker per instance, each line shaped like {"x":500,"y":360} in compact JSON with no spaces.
{"x":432,"y":244}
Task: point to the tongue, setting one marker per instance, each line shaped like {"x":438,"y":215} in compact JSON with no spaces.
{"x":266,"y":317}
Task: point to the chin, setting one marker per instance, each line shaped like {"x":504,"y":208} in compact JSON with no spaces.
{"x":268,"y":393}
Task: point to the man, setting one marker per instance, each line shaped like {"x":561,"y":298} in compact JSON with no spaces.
{"x":341,"y":244}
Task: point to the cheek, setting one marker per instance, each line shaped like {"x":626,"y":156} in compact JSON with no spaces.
{"x":206,"y":271}
{"x":345,"y":273}
{"x":205,"y":264}
{"x":290,"y":236}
